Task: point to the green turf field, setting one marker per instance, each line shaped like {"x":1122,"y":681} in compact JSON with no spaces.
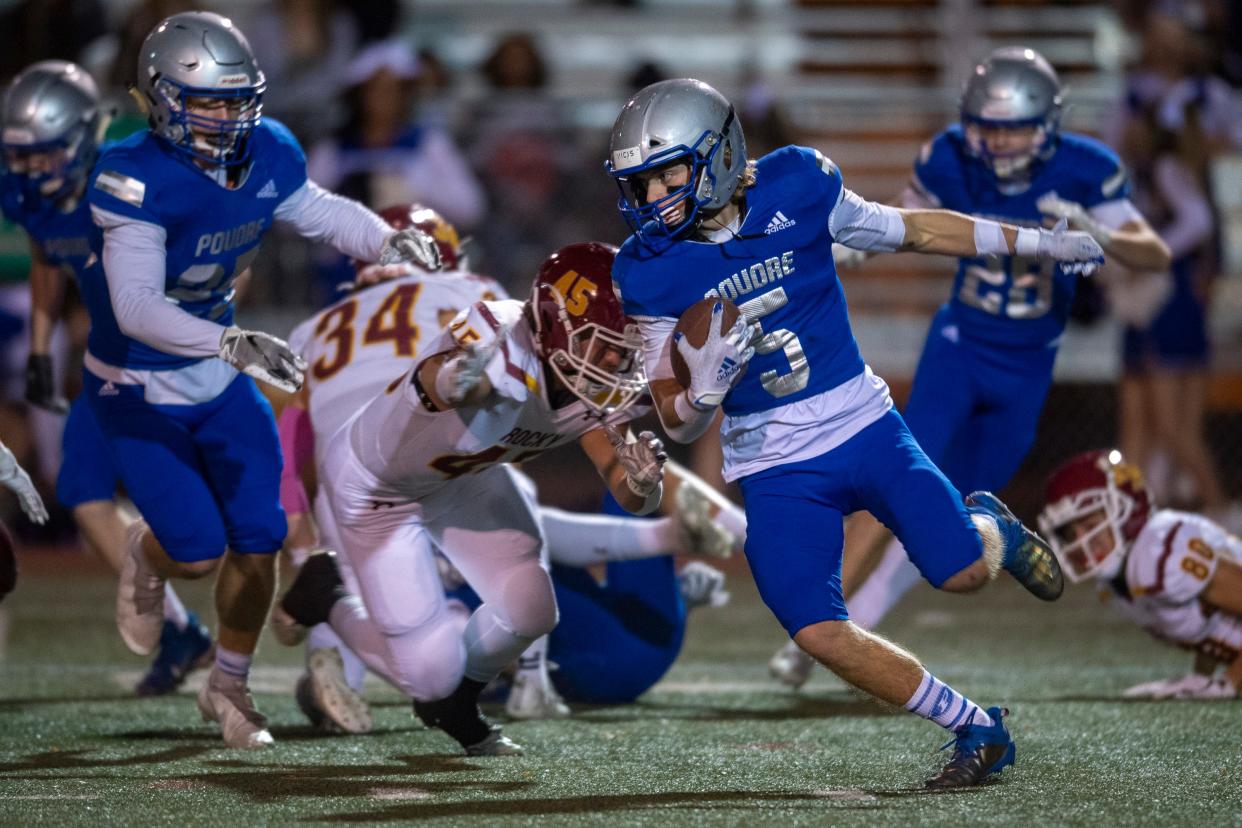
{"x":716,"y":743}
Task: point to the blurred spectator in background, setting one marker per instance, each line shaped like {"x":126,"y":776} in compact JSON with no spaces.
{"x":135,"y":26}
{"x":526,"y":153}
{"x":1166,"y":348}
{"x":307,"y":46}
{"x":383,"y":154}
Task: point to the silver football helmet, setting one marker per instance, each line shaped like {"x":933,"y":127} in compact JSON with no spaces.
{"x":681,"y":120}
{"x":51,"y":128}
{"x":203,"y":56}
{"x":1014,"y":88}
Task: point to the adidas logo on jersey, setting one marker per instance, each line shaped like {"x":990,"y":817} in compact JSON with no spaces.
{"x":108,"y":390}
{"x":778,"y":223}
{"x":268,"y":191}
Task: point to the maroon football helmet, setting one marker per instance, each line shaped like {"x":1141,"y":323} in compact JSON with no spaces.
{"x":1099,"y":485}
{"x":581,"y":330}
{"x":401,"y":216}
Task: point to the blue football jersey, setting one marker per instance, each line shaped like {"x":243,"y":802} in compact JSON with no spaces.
{"x":68,"y":240}
{"x":1012,"y":300}
{"x":213,"y":233}
{"x":778,"y":269}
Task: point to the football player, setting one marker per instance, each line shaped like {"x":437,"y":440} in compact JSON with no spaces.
{"x":14,"y":478}
{"x":1176,"y":574}
{"x":426,"y":466}
{"x":987,"y":363}
{"x":809,"y":431}
{"x":183,"y":206}
{"x":354,"y":348}
{"x":52,"y":121}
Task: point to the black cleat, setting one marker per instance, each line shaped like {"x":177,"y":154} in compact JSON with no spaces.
{"x":978,"y":752}
{"x":309,"y":599}
{"x":459,"y":716}
{"x":1027,"y":556}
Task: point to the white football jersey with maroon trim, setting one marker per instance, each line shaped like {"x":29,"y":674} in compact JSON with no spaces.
{"x":1169,"y":565}
{"x":412,"y":450}
{"x":358,"y":345}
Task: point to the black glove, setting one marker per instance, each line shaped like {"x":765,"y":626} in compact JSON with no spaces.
{"x":40,"y":385}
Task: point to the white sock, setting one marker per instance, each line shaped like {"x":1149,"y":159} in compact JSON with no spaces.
{"x":884,"y":588}
{"x":233,"y":663}
{"x":174,"y":610}
{"x":534,"y":657}
{"x":993,"y":545}
{"x":733,"y":519}
{"x":582,"y":540}
{"x":940,"y":703}
{"x":491,"y":644}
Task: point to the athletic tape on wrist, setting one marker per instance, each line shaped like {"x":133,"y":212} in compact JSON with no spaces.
{"x":1027,"y":242}
{"x":990,"y":239}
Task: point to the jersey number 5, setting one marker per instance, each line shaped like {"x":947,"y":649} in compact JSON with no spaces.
{"x":781,"y":339}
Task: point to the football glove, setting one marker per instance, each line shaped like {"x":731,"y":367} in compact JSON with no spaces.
{"x":643,"y":460}
{"x":263,"y":357}
{"x":715,"y":366}
{"x":41,"y":386}
{"x":847,"y":258}
{"x":1051,"y":204}
{"x":14,"y":478}
{"x":1074,"y":250}
{"x":462,"y":373}
{"x":414,"y":246}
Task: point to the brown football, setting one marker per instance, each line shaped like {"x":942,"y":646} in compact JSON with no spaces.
{"x":693,"y":326}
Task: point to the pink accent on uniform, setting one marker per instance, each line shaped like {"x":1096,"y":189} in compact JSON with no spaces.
{"x":297,"y":444}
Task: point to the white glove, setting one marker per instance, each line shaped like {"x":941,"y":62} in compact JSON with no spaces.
{"x":462,"y":373}
{"x":1073,"y":250}
{"x":643,"y":460}
{"x":715,"y":366}
{"x":414,"y":246}
{"x":1051,"y":204}
{"x":1190,"y":686}
{"x":847,"y":258}
{"x":263,"y":357}
{"x":702,"y":585}
{"x":14,"y":477}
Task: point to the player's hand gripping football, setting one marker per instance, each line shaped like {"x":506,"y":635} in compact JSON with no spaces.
{"x":41,"y":385}
{"x":465,"y":370}
{"x":414,"y":246}
{"x":715,"y":366}
{"x":643,"y":460}
{"x":1074,"y":250}
{"x":263,"y":357}
{"x":14,"y":477}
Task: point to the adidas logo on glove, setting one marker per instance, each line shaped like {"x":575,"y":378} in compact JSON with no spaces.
{"x":727,"y":369}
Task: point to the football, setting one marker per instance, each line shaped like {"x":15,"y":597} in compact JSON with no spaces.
{"x":693,"y":325}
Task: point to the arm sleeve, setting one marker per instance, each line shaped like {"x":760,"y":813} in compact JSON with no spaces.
{"x":341,"y":222}
{"x":1116,"y":213}
{"x":866,"y":225}
{"x":133,"y":260}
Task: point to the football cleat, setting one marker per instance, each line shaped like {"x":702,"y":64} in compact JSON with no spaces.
{"x":702,"y":585}
{"x":978,"y":752}
{"x":791,"y":666}
{"x":139,"y":596}
{"x":308,"y":600}
{"x":1027,"y":556}
{"x":226,"y":700}
{"x":533,"y":697}
{"x":701,"y":535}
{"x":340,"y":705}
{"x":304,"y":695}
{"x":495,"y":744}
{"x":181,"y":652}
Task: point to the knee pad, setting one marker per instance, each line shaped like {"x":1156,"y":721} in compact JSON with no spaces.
{"x":529,"y":601}
{"x":429,"y":661}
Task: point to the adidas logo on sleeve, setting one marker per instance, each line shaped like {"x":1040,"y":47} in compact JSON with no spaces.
{"x":778,"y":223}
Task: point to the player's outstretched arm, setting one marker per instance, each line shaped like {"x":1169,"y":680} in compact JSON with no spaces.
{"x":1133,"y":244}
{"x":955,"y":234}
{"x":632,"y":469}
{"x":47,"y":295}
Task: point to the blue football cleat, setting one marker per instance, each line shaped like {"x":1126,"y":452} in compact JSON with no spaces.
{"x":181,"y":651}
{"x":1028,"y":557}
{"x":978,"y":752}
